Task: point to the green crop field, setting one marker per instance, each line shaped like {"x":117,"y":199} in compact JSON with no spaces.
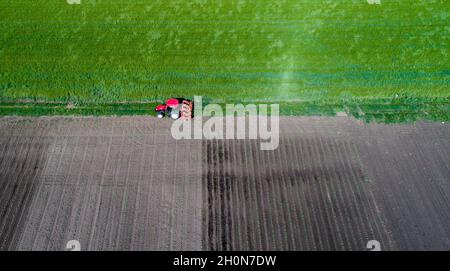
{"x":313,"y":56}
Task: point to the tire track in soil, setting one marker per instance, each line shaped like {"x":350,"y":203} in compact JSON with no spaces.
{"x":411,"y":188}
{"x":52,"y":183}
{"x":21,"y":166}
{"x":96,"y":184}
{"x":65,"y":202}
{"x":313,"y":178}
{"x":332,"y":184}
{"x":31,"y":229}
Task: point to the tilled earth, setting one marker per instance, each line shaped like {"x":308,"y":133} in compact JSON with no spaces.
{"x":333,"y":183}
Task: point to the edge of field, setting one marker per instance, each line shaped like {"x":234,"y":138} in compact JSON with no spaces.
{"x":390,"y":110}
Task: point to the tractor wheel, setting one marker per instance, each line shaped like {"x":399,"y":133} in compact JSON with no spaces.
{"x":160,"y":115}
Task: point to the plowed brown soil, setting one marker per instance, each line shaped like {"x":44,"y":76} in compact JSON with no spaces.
{"x":126,"y":184}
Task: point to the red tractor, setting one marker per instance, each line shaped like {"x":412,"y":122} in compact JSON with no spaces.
{"x":176,"y":108}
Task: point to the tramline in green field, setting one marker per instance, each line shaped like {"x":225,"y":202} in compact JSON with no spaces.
{"x":99,"y":53}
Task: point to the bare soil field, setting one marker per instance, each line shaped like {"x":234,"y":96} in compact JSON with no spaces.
{"x":124,"y":183}
{"x":333,"y":184}
{"x":112,"y":184}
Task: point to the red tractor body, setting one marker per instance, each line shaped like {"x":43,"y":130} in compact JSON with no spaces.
{"x":161,"y":107}
{"x":175,"y":108}
{"x":173,"y":102}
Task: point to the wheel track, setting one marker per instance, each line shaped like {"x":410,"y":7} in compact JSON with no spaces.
{"x":21,"y":195}
{"x":44,"y":236}
{"x":333,"y":199}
